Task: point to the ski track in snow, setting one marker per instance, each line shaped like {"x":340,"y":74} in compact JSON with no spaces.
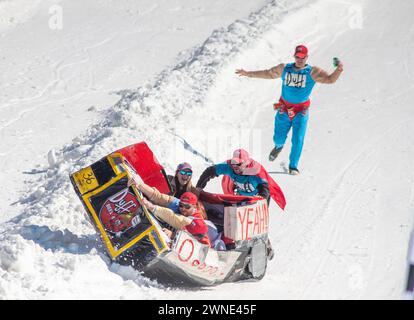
{"x":53,"y":85}
{"x":315,"y":245}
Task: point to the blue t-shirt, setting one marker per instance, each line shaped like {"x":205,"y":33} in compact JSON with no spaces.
{"x":297,"y":85}
{"x":245,"y":185}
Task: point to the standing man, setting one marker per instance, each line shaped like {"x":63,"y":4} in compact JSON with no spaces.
{"x":298,"y":80}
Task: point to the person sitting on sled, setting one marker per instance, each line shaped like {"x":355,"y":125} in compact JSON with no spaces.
{"x":181,"y":181}
{"x":190,"y":219}
{"x":244,"y":176}
{"x":173,"y":204}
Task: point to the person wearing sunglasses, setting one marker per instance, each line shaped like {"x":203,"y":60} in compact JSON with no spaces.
{"x":244,"y":176}
{"x":298,"y":80}
{"x":191,"y":218}
{"x":181,"y":181}
{"x":167,"y":204}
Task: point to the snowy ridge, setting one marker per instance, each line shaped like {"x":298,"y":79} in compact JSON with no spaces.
{"x":50,"y":247}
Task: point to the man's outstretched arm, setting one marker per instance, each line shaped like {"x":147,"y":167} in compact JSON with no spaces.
{"x":321,"y":76}
{"x":272,"y":73}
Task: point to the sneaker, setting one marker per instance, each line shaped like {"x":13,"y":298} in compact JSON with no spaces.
{"x":274,"y":153}
{"x":293,"y":171}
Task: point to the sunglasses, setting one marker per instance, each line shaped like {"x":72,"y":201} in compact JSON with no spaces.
{"x":185,"y":205}
{"x":236,"y":164}
{"x":186,"y":173}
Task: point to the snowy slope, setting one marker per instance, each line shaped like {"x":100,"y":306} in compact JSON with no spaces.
{"x":64,"y":63}
{"x":344,"y":234}
{"x":347,"y":223}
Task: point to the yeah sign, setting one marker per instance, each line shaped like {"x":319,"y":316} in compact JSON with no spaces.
{"x":244,"y":223}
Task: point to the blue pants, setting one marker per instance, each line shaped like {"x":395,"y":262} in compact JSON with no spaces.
{"x":282,"y":127}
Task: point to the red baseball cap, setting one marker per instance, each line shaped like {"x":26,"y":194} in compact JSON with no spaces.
{"x":240,"y":156}
{"x":189,"y":198}
{"x":301,"y":51}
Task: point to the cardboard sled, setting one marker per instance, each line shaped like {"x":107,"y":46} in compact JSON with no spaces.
{"x":133,"y":236}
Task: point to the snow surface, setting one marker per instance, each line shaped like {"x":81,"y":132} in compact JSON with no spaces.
{"x":345,"y":231}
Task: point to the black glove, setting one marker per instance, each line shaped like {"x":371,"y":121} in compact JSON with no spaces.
{"x":264,"y":191}
{"x":205,"y":177}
